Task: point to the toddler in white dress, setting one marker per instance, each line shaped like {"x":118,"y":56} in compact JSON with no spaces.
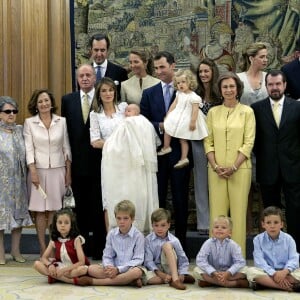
{"x":184,"y":119}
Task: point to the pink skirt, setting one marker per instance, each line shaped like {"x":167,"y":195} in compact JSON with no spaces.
{"x":52,"y":182}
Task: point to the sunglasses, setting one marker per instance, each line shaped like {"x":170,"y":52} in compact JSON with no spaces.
{"x":9,"y":111}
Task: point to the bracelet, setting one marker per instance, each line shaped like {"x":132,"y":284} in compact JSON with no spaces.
{"x":216,"y":167}
{"x":234,"y":168}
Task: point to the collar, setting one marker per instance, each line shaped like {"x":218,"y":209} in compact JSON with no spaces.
{"x":227,"y":240}
{"x":163,"y":84}
{"x":154,"y":237}
{"x":272,"y":240}
{"x":37,"y":120}
{"x":103,"y":65}
{"x":129,"y":233}
{"x":281,"y":101}
{"x":90,"y":94}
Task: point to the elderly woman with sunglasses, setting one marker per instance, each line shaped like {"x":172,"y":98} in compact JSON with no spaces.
{"x":13,"y":197}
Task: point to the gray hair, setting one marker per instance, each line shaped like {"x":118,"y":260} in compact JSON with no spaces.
{"x":7,"y":100}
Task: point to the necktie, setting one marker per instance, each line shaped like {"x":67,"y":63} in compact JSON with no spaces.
{"x":167,"y":96}
{"x":85,"y":107}
{"x":276,"y":113}
{"x":98,"y":74}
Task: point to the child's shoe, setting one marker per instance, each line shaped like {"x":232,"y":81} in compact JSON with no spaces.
{"x":188,"y":279}
{"x":182,"y":163}
{"x":51,"y":280}
{"x":164,"y":151}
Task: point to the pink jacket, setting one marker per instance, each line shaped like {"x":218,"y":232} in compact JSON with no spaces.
{"x":47,"y":148}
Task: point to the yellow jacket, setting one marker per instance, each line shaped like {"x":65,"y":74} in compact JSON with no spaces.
{"x":230,"y":130}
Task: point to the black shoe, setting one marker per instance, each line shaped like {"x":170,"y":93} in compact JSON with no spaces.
{"x":257,"y":287}
{"x":296,"y":287}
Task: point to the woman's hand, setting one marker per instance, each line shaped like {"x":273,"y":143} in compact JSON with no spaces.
{"x":98,"y":144}
{"x":35,"y":179}
{"x":224,"y":172}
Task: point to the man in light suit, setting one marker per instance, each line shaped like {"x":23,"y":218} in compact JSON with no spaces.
{"x":99,"y":47}
{"x":277,"y":150}
{"x":86,"y":161}
{"x":292,"y":73}
{"x":154,"y":107}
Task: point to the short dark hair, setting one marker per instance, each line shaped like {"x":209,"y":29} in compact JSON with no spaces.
{"x":274,"y":73}
{"x":239,"y":83}
{"x":272,"y":211}
{"x":99,"y":37}
{"x":169,"y":57}
{"x":32,"y":105}
{"x":161,"y":214}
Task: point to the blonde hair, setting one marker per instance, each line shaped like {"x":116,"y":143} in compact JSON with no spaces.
{"x":125,"y":206}
{"x":251,"y":50}
{"x":224,"y":218}
{"x":190,"y":78}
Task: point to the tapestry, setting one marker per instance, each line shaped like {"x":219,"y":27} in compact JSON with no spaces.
{"x":190,"y":29}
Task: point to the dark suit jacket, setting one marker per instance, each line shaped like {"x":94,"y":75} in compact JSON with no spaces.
{"x":117,"y":74}
{"x":277,"y":150}
{"x":292,"y":73}
{"x":85,"y":159}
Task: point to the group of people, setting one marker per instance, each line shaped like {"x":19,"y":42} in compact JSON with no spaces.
{"x":105,"y":146}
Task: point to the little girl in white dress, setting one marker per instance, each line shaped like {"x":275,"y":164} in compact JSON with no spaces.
{"x":184,"y":119}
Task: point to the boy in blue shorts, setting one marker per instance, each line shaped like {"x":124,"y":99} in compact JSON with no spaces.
{"x":165,"y":259}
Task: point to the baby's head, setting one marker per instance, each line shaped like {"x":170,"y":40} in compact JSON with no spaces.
{"x":132,"y":110}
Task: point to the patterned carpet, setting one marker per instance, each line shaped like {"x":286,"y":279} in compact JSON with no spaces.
{"x":21,"y":281}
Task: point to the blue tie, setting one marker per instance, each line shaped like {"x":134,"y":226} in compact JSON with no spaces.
{"x":98,"y":74}
{"x":167,"y":96}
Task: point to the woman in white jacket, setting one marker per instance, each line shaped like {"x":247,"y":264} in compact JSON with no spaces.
{"x":48,"y":157}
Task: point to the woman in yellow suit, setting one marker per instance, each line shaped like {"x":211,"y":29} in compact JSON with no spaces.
{"x":228,"y":148}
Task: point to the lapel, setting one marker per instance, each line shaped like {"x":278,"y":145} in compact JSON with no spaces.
{"x":286,"y":111}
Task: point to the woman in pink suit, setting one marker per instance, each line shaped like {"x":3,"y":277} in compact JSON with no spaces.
{"x":48,"y":157}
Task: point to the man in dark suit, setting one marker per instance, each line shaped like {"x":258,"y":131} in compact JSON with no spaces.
{"x":99,"y":47}
{"x":154,"y":106}
{"x":86,"y":161}
{"x":277,"y":150}
{"x":292,"y":73}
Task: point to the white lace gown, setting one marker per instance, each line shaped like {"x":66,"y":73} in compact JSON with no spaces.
{"x":177,"y":122}
{"x":129,"y":166}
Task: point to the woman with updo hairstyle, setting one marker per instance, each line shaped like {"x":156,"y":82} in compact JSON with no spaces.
{"x":231,"y":133}
{"x":254,"y":61}
{"x":142,"y":67}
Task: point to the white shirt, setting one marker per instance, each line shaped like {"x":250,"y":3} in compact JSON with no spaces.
{"x":90,"y":95}
{"x":103,"y":67}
